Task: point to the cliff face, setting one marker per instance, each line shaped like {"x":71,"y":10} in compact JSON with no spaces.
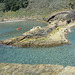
{"x":51,"y":35}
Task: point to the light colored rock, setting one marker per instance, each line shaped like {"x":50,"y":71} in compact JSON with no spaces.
{"x":20,"y":69}
{"x":68,"y":71}
{"x":42,"y":69}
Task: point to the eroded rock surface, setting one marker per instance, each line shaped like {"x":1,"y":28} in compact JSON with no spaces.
{"x":20,"y":69}
{"x":42,"y":69}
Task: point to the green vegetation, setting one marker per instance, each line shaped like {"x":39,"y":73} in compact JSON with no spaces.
{"x":72,"y":4}
{"x":14,"y":5}
{"x":34,"y":8}
{"x":1,"y":0}
{"x":1,"y":6}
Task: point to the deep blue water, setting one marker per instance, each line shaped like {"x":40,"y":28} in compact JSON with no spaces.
{"x":61,"y":55}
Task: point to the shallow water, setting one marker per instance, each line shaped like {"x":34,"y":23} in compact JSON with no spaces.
{"x":61,"y":55}
{"x":8,"y":30}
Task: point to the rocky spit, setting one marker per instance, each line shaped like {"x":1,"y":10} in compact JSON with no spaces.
{"x":51,"y":35}
{"x":41,"y":69}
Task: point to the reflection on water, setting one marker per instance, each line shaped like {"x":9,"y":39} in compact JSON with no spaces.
{"x":61,"y":55}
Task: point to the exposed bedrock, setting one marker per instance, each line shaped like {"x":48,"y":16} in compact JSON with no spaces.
{"x":39,"y":69}
{"x":51,"y":35}
{"x":62,"y":18}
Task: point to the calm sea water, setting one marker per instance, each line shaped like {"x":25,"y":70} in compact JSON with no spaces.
{"x":60,"y":55}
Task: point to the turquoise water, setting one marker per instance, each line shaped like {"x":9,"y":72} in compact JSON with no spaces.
{"x":8,"y":30}
{"x":60,"y":55}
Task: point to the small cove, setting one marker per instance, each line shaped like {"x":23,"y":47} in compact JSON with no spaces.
{"x":60,"y":55}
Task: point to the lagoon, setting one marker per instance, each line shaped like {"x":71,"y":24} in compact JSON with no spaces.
{"x":60,"y":55}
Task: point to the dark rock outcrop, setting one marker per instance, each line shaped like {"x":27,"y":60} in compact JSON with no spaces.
{"x":63,"y":16}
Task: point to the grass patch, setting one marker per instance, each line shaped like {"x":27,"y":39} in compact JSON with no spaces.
{"x":37,"y":9}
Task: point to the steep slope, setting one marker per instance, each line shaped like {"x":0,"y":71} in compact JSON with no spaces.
{"x":39,"y":9}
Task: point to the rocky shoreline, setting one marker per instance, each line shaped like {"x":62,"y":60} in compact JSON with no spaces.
{"x":21,"y":19}
{"x":40,"y":69}
{"x":51,"y":35}
{"x":10,"y":21}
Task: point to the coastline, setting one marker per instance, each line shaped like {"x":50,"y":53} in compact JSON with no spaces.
{"x":53,"y":34}
{"x":60,"y":38}
{"x":39,"y":69}
{"x":8,"y":21}
{"x":68,"y":28}
{"x":22,"y":19}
